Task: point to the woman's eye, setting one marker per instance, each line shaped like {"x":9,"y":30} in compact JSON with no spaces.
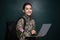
{"x":26,"y":8}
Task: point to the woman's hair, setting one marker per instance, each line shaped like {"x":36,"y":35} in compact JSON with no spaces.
{"x":26,"y":4}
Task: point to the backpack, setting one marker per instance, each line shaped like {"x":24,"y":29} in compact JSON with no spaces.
{"x":11,"y":29}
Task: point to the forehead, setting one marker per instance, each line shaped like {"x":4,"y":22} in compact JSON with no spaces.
{"x":28,"y":6}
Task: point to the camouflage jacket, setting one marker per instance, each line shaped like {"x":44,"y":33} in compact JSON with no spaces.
{"x":30,"y":25}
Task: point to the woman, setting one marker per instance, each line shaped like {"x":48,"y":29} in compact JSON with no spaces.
{"x":29,"y":28}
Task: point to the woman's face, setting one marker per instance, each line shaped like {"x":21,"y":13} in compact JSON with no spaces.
{"x":28,"y":10}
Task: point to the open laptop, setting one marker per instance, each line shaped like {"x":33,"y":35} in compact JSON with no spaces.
{"x":43,"y":31}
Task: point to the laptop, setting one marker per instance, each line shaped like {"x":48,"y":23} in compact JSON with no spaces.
{"x":43,"y":31}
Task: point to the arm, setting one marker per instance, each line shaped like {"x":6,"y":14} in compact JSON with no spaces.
{"x":33,"y":28}
{"x":20,"y":24}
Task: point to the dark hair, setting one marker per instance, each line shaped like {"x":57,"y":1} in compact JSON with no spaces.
{"x":26,"y":4}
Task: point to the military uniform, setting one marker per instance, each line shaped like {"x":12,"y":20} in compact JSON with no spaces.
{"x":29,"y":26}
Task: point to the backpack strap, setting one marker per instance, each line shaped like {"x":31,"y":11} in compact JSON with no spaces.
{"x":24,"y":22}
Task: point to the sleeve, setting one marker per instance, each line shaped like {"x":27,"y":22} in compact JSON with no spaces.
{"x":33,"y":24}
{"x":20,"y":24}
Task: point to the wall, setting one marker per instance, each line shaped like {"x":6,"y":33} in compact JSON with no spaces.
{"x":44,"y":11}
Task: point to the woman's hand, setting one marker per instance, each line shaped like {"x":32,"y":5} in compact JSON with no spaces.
{"x":33,"y":32}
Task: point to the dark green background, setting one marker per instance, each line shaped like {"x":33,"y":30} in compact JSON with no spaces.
{"x":44,"y":11}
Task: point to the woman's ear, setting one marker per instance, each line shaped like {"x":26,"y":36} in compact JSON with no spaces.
{"x":23,"y":11}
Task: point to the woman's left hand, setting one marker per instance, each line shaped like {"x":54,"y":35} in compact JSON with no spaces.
{"x":33,"y":32}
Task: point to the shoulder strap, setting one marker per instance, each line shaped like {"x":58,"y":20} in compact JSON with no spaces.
{"x":24,"y":22}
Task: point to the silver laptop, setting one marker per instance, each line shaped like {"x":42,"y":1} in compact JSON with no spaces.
{"x":43,"y":31}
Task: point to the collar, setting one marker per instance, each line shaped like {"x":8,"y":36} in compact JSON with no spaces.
{"x":27,"y":17}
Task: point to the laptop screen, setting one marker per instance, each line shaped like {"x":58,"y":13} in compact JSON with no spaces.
{"x":44,"y":29}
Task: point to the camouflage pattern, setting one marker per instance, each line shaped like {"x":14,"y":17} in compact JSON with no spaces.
{"x":30,"y":25}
